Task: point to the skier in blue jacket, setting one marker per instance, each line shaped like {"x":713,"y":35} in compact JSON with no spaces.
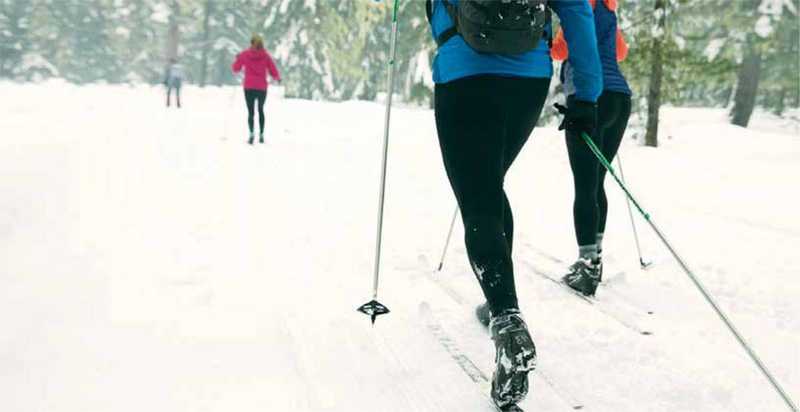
{"x":590,"y":207}
{"x":486,"y":106}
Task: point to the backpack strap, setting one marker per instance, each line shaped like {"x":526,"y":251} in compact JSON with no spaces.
{"x":451,"y":10}
{"x":548,"y":18}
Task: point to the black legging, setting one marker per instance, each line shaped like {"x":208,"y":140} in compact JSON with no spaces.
{"x":177,"y":88}
{"x":250,"y":96}
{"x":590,"y":208}
{"x":483,"y":122}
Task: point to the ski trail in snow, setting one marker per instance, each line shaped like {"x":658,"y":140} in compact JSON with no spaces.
{"x":560,"y":392}
{"x":574,"y":403}
{"x":553,"y":273}
{"x":625,"y":317}
{"x":544,"y":254}
{"x":396,"y":362}
{"x":475,"y":374}
{"x":557,"y":383}
{"x":479,"y":377}
{"x":750,"y":223}
{"x":605,"y":287}
{"x":189,"y":255}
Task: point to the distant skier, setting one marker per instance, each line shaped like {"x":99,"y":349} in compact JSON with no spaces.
{"x":486,"y":103}
{"x":257,"y":63}
{"x":173,"y":79}
{"x":590,"y":207}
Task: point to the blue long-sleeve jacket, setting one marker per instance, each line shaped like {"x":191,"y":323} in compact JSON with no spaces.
{"x":455,"y":59}
{"x":605,"y":22}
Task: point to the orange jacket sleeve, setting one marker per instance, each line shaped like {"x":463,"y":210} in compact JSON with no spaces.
{"x":622,"y":46}
{"x":559,"y":51}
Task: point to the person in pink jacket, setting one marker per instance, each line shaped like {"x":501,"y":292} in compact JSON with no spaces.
{"x":257,"y":63}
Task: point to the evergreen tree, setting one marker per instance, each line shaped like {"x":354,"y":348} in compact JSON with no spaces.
{"x":138,"y":39}
{"x":15,"y":27}
{"x":232,"y":24}
{"x":81,"y":39}
{"x":205,"y":41}
{"x":656,"y":73}
{"x":338,"y":49}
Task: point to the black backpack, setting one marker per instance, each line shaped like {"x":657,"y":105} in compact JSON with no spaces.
{"x":496,"y":26}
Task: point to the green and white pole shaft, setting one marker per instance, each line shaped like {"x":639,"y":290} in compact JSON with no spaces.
{"x":382,"y":193}
{"x":708,"y":297}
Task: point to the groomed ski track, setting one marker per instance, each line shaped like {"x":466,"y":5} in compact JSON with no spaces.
{"x":150,"y":260}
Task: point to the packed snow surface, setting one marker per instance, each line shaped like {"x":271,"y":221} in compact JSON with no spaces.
{"x":150,"y":260}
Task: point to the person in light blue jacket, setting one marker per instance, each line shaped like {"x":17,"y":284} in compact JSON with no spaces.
{"x":173,"y":79}
{"x":486,"y":106}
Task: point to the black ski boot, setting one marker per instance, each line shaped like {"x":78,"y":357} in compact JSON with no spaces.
{"x":599,"y":264}
{"x":584,"y":276}
{"x":483,"y":314}
{"x":515,"y":357}
{"x":261,"y":138}
{"x":250,"y":140}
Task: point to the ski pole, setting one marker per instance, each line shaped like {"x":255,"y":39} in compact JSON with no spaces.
{"x":643,"y":264}
{"x":447,"y":241}
{"x":707,"y":295}
{"x":373,"y":308}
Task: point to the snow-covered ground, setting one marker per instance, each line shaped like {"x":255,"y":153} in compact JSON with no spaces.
{"x":152,"y":261}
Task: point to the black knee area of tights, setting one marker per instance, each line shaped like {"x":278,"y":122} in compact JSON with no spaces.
{"x":586,"y":195}
{"x":485,"y":237}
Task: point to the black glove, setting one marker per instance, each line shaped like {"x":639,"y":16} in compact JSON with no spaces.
{"x":579,"y":116}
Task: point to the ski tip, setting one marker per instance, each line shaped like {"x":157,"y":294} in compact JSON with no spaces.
{"x":439,"y":269}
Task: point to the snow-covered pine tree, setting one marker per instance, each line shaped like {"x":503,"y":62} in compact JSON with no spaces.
{"x":204,"y":43}
{"x":138,"y":39}
{"x":231,"y":23}
{"x":766,"y":40}
{"x":15,"y":36}
{"x":418,"y":48}
{"x":780,"y":86}
{"x":80,"y":38}
{"x":658,"y":39}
